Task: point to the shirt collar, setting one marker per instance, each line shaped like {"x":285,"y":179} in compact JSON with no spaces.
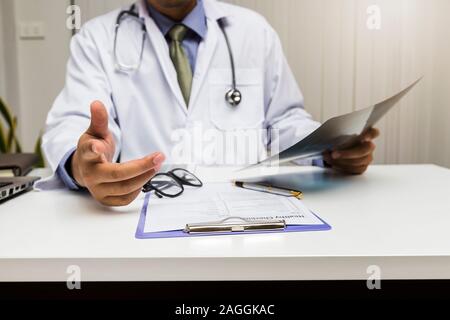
{"x":195,"y":20}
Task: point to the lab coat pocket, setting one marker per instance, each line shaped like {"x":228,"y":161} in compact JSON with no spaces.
{"x":249,"y":114}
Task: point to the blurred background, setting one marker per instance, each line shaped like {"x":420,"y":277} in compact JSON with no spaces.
{"x":340,"y":63}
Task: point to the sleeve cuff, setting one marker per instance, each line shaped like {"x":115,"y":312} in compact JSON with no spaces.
{"x":319,"y":163}
{"x":64,"y":175}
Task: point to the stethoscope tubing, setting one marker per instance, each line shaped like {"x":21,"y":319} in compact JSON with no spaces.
{"x":233,"y":97}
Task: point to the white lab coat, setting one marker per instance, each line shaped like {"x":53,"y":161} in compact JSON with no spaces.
{"x":146,"y":108}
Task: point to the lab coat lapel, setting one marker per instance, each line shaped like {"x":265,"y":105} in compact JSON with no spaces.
{"x":207,"y":48}
{"x":161,"y":49}
{"x":206,"y":53}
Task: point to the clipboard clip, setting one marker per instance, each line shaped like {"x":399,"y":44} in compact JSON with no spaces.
{"x":228,"y":226}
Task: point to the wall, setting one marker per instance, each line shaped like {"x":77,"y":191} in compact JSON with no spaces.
{"x":35,"y":69}
{"x":41,"y":63}
{"x":440,"y":144}
{"x":10,"y":77}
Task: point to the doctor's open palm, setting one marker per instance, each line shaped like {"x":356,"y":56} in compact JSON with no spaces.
{"x":111,"y":184}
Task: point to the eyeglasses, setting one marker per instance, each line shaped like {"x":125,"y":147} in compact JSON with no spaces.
{"x":171,"y":184}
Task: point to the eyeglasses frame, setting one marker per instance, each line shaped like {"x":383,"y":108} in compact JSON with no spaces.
{"x":148,"y":187}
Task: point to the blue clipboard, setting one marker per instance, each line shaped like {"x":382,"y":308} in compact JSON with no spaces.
{"x":140,"y":234}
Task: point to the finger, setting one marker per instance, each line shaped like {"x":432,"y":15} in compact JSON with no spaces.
{"x":364,"y":161}
{"x":90,"y":152}
{"x":360,"y":151}
{"x":115,"y":172}
{"x":350,"y":169}
{"x":128,"y":186}
{"x":371,"y":134}
{"x":99,"y":120}
{"x":120,"y":201}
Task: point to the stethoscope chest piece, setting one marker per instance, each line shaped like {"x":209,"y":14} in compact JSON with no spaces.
{"x":234,"y":97}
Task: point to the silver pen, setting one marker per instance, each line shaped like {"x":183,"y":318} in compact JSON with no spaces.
{"x":269,"y":189}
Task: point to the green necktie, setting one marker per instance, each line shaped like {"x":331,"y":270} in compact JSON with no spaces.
{"x":180,"y":60}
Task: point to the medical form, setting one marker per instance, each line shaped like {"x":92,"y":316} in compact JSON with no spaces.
{"x":218,"y":201}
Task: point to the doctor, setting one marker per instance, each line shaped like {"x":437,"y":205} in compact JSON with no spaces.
{"x":173,"y":66}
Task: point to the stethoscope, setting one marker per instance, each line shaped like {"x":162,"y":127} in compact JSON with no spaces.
{"x":233,"y":97}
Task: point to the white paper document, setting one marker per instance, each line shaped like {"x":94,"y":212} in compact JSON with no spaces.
{"x":340,"y":132}
{"x":217,"y":201}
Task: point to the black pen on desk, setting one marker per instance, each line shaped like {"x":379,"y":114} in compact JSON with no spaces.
{"x":269,"y":189}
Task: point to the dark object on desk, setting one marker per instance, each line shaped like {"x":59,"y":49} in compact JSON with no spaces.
{"x":16,"y":165}
{"x":12,"y":187}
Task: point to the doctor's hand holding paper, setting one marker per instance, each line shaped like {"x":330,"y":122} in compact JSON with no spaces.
{"x":355,"y":160}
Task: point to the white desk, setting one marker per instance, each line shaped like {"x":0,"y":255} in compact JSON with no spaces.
{"x":396,"y":217}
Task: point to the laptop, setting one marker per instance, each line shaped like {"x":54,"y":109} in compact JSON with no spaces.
{"x":14,"y":186}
